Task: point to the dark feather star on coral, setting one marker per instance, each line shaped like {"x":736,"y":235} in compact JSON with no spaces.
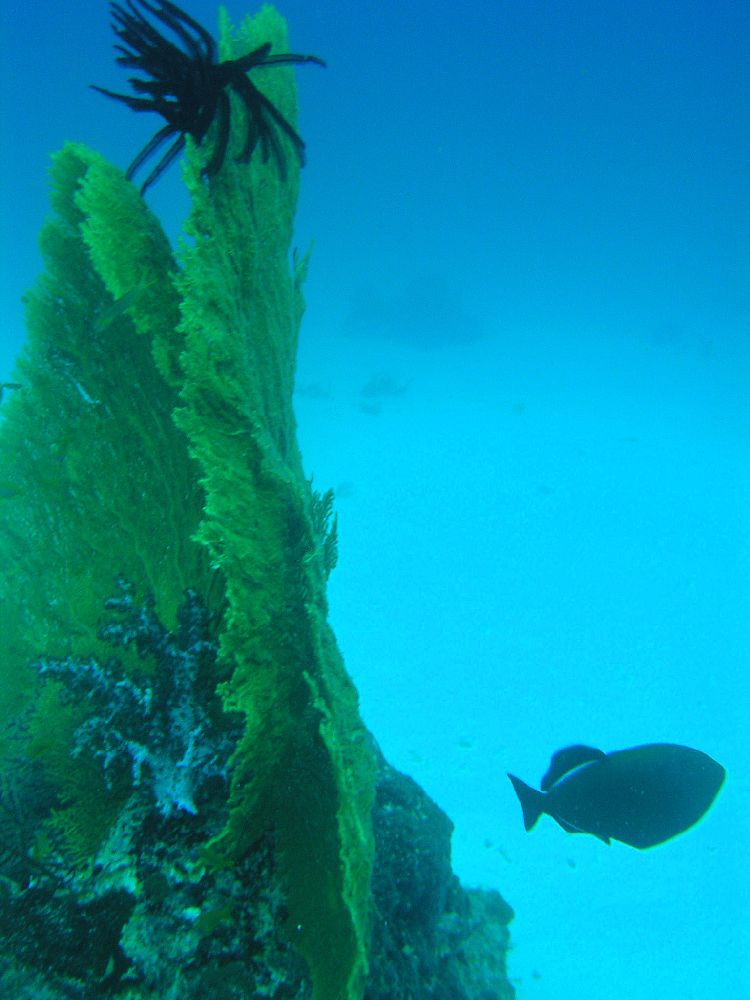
{"x":189,"y":88}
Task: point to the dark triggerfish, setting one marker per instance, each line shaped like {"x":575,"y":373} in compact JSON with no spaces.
{"x":642,"y":796}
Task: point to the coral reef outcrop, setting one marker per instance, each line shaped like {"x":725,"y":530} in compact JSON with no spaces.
{"x":190,"y":804}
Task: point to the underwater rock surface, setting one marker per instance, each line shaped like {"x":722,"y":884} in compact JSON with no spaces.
{"x":433,"y":939}
{"x":151,"y":921}
{"x":151,"y":915}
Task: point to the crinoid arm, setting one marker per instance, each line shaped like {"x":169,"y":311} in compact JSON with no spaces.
{"x":148,"y":47}
{"x":262,"y":116}
{"x":183,"y":83}
{"x":150,"y":148}
{"x":223,"y":114}
{"x":201,"y":44}
{"x":134,"y":103}
{"x":293,"y":57}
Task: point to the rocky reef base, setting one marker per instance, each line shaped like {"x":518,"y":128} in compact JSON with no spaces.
{"x":153,"y":922}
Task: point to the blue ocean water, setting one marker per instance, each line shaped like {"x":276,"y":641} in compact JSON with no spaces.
{"x":524,"y":367}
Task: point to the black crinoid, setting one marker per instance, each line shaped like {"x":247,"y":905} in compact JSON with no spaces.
{"x":189,"y":88}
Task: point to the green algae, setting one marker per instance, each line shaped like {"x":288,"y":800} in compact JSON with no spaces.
{"x":154,"y":437}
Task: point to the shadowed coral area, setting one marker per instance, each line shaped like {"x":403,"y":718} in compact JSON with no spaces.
{"x":102,"y":479}
{"x":153,"y":441}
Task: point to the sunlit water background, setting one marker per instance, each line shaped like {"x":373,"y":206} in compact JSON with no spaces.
{"x":525,"y":369}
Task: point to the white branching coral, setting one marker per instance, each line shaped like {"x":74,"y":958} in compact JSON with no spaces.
{"x":159,"y":729}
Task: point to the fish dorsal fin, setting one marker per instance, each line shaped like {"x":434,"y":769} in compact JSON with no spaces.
{"x":567,"y":760}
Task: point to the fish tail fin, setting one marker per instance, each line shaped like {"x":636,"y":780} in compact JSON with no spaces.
{"x":532,"y":801}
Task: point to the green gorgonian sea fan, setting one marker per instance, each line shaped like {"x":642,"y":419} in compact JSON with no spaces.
{"x":154,"y":438}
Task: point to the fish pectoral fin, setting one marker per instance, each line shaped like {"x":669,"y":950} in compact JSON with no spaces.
{"x":568,"y":827}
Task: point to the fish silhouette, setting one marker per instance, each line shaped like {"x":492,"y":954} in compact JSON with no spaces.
{"x":642,"y":796}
